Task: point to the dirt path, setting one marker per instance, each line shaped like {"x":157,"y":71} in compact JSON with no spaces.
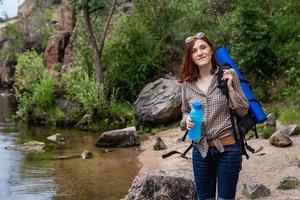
{"x":267,"y":169}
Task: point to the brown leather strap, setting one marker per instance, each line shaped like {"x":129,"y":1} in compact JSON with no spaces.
{"x":225,"y":141}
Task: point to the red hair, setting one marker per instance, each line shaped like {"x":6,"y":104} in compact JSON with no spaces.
{"x":189,"y":70}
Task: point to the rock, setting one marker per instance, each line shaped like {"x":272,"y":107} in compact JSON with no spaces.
{"x":162,"y":184}
{"x":66,"y":157}
{"x":56,"y":138}
{"x":6,"y":74}
{"x":126,"y":8}
{"x":68,"y":18}
{"x":280,"y":140}
{"x":288,"y":130}
{"x":68,"y":57}
{"x":26,"y":9}
{"x":86,"y":154}
{"x":66,"y":106}
{"x":160,"y":145}
{"x":34,"y":16}
{"x":39,"y":118}
{"x":119,"y":138}
{"x":29,"y":147}
{"x":289,"y":182}
{"x":295,"y":163}
{"x":271,"y":120}
{"x":255,"y":191}
{"x":86,"y":119}
{"x":159,"y":102}
{"x":54,"y":52}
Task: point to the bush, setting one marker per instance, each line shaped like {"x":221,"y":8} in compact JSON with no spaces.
{"x":15,"y":36}
{"x":34,"y":86}
{"x":289,"y":114}
{"x":133,"y":55}
{"x":292,"y":90}
{"x":85,"y":90}
{"x":268,"y":132}
{"x":43,"y":93}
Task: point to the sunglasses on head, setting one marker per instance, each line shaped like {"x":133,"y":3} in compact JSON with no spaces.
{"x":197,"y":36}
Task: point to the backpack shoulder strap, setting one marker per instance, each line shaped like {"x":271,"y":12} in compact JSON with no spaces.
{"x":183,"y":155}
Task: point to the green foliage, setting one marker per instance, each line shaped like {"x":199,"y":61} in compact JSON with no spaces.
{"x":141,"y":43}
{"x":289,"y":114}
{"x":15,"y":36}
{"x":83,"y":55}
{"x":133,"y":55}
{"x":29,"y":71}
{"x":292,"y":90}
{"x":267,"y":132}
{"x":46,"y":29}
{"x":43,"y":93}
{"x":250,"y":30}
{"x":90,"y":95}
{"x":288,"y":183}
{"x":33,"y":85}
{"x":81,"y":88}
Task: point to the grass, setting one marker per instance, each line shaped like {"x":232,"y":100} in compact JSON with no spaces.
{"x":288,"y":183}
{"x":288,"y":113}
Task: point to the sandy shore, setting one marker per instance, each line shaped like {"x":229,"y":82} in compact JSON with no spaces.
{"x":267,"y":169}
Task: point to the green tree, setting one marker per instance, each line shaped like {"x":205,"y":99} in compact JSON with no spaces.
{"x":88,"y":7}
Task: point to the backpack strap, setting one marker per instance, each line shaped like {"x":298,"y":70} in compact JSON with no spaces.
{"x":183,"y":155}
{"x":224,"y":89}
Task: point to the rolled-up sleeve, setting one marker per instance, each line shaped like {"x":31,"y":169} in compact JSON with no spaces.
{"x":185,"y":108}
{"x":240,"y":103}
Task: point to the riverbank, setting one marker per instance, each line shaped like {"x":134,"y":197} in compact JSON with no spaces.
{"x":268,"y":167}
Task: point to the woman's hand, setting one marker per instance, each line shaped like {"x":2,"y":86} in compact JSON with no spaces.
{"x":228,"y":76}
{"x":189,"y":123}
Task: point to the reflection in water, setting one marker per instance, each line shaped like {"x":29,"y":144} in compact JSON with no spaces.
{"x":107,"y":176}
{"x":20,"y":178}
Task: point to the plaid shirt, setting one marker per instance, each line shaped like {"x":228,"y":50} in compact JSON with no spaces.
{"x":216,"y":121}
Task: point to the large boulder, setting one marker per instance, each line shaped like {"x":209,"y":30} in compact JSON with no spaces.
{"x":34,"y":16}
{"x":54,"y":52}
{"x":126,"y":137}
{"x":163,"y":185}
{"x":68,"y":18}
{"x":159,"y":102}
{"x":279,"y":139}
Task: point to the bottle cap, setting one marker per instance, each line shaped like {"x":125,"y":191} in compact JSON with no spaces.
{"x":197,"y":105}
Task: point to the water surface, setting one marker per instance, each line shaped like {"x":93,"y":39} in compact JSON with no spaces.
{"x":31,"y":176}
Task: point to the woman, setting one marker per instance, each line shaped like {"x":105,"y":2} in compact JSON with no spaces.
{"x":217,"y":156}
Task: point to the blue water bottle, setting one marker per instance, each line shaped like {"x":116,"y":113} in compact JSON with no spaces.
{"x":196,"y":116}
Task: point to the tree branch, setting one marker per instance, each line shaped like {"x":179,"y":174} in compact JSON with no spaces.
{"x":106,"y":26}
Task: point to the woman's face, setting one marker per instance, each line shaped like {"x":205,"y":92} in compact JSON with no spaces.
{"x":201,"y":53}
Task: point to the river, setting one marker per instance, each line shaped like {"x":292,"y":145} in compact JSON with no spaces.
{"x":37,"y":176}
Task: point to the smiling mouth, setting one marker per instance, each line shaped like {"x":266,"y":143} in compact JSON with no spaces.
{"x":201,"y":58}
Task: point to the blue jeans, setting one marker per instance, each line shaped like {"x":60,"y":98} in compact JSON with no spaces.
{"x":217,"y":169}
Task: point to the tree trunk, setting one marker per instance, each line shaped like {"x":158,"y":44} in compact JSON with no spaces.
{"x":97,"y":56}
{"x":97,"y":51}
